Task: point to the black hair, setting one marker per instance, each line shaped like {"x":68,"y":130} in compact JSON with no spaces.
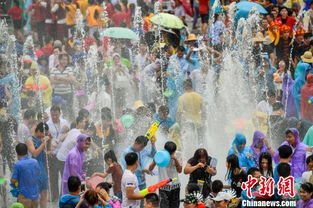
{"x":16,"y":3}
{"x":21,"y":149}
{"x":131,"y":158}
{"x":309,"y":159}
{"x":271,"y":93}
{"x":151,"y":107}
{"x":153,"y":198}
{"x":110,"y":155}
{"x":55,"y":108}
{"x":268,"y":157}
{"x":217,"y":186}
{"x":79,"y":119}
{"x":187,"y":84}
{"x":283,"y":170}
{"x":91,"y":197}
{"x":142,"y":140}
{"x":64,"y":55}
{"x":82,"y":112}
{"x":285,"y":151}
{"x":233,"y":161}
{"x":307,"y":35}
{"x":163,"y":109}
{"x":271,"y":15}
{"x":105,"y":185}
{"x":29,"y":113}
{"x":277,"y":106}
{"x":181,"y":48}
{"x":170,"y":147}
{"x":192,"y":188}
{"x":252,"y":170}
{"x":42,"y":127}
{"x":307,"y":187}
{"x":106,"y":115}
{"x":118,"y":7}
{"x":73,"y":184}
{"x":199,"y":153}
{"x":288,"y":131}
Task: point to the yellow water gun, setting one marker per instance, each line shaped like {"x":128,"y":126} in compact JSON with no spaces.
{"x":152,"y":131}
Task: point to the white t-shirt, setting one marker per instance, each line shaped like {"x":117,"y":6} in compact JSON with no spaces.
{"x":129,"y":180}
{"x":170,"y":170}
{"x":201,"y":80}
{"x":68,"y":144}
{"x":56,"y":132}
{"x":23,"y":133}
{"x":306,"y":176}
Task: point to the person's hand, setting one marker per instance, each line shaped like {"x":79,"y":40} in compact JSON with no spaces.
{"x":153,"y":140}
{"x":47,"y":138}
{"x":200,"y":165}
{"x":309,"y":149}
{"x":94,"y":175}
{"x":210,"y":170}
{"x":146,"y":171}
{"x":65,"y":129}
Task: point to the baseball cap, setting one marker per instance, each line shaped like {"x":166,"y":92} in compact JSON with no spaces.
{"x":221,"y":196}
{"x":58,"y":100}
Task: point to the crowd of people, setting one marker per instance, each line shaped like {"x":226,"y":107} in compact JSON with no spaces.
{"x":79,"y":105}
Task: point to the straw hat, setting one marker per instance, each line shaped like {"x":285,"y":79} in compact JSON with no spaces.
{"x":137,"y":104}
{"x":307,"y":57}
{"x":191,"y":37}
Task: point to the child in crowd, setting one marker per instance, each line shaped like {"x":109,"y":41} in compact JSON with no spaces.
{"x":71,"y":199}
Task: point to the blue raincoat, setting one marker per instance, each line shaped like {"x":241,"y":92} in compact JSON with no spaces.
{"x":298,"y":84}
{"x":244,"y":155}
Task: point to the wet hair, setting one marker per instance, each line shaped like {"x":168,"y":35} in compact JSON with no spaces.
{"x":170,"y":147}
{"x":29,"y":113}
{"x":91,"y":197}
{"x":79,"y":119}
{"x":181,"y":48}
{"x":283,"y":170}
{"x":142,"y":140}
{"x":21,"y":149}
{"x":55,"y":108}
{"x":192,"y":188}
{"x":217,"y":186}
{"x":309,"y":159}
{"x":73,"y":184}
{"x":110,"y":155}
{"x":307,"y":187}
{"x":41,"y":127}
{"x":82,"y":112}
{"x":285,"y":151}
{"x":187,"y":84}
{"x":153,"y":198}
{"x":234,"y":163}
{"x":277,"y":106}
{"x":151,"y":107}
{"x":106,"y":115}
{"x":104,"y":185}
{"x":199,"y":153}
{"x":268,"y":157}
{"x":252,"y":170}
{"x":131,"y":158}
{"x":270,"y":93}
{"x":163,"y":109}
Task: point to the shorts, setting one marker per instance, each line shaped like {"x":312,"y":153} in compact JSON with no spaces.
{"x":43,"y":184}
{"x":204,"y":18}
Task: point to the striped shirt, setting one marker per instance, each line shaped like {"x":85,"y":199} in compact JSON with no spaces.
{"x":62,"y":88}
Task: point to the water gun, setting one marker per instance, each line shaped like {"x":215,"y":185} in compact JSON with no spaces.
{"x":310,"y":101}
{"x":152,"y":130}
{"x":153,"y":188}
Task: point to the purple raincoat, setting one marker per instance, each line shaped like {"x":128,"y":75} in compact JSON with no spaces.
{"x":74,"y":163}
{"x":257,"y":137}
{"x":302,"y":204}
{"x":298,"y":157}
{"x":291,"y":110}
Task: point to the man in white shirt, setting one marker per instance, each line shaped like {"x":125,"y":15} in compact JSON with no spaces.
{"x":130,"y":190}
{"x":265,"y":105}
{"x":24,"y":128}
{"x":70,"y":139}
{"x":58,"y":127}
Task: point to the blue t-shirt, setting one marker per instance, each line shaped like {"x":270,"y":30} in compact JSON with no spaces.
{"x":69,"y":200}
{"x":27,"y":171}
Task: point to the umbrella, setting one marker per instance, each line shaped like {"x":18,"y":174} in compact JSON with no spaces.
{"x":167,"y":20}
{"x":119,"y":33}
{"x":244,"y":7}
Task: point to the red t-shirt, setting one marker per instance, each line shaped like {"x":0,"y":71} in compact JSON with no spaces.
{"x":204,"y":6}
{"x":39,"y":12}
{"x":16,"y":13}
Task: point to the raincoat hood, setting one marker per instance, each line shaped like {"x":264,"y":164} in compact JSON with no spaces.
{"x":296,"y":133}
{"x":257,"y":137}
{"x":239,"y":139}
{"x":80,"y":141}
